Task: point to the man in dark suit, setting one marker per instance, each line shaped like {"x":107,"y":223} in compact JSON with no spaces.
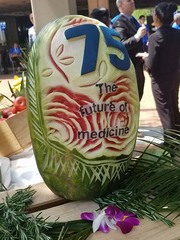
{"x":131,"y":34}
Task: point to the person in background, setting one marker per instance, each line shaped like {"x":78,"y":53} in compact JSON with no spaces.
{"x":15,"y":53}
{"x":141,"y":21}
{"x":163,"y":64}
{"x":101,"y":14}
{"x":114,"y":19}
{"x":176,"y":23}
{"x":4,"y":61}
{"x":31,"y":31}
{"x":131,"y":34}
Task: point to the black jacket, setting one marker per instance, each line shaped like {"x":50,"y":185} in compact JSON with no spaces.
{"x":126,"y":31}
{"x":164,"y":53}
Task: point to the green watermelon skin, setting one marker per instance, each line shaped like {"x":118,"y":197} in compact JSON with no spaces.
{"x":69,"y":178}
{"x":77,"y":169}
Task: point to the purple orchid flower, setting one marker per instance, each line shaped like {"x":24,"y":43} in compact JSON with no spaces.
{"x":111,"y":217}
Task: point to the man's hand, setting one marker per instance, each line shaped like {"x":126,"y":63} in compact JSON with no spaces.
{"x":140,"y":32}
{"x":142,"y":54}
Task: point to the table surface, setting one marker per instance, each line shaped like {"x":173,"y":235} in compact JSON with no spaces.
{"x":55,"y":207}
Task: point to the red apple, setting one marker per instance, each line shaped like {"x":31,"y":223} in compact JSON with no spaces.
{"x":8,"y":111}
{"x":20,"y":103}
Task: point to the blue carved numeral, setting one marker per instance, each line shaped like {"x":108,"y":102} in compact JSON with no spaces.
{"x":91,"y":34}
{"x":122,"y":64}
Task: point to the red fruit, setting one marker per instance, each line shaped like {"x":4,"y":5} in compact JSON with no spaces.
{"x":2,"y":119}
{"x":11,"y":115}
{"x":8,"y":111}
{"x":20,"y":103}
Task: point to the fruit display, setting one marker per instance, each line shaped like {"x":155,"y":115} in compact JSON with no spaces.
{"x":18,"y":104}
{"x":17,"y":85}
{"x":83,"y":107}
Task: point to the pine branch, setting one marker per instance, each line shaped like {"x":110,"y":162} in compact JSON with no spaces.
{"x":72,"y":230}
{"x":15,"y":224}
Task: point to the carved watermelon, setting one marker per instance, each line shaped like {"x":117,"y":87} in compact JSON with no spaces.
{"x":83,"y":107}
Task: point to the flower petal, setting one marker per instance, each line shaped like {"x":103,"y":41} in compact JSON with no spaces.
{"x":125,"y":227}
{"x":87,"y":216}
{"x":97,"y":221}
{"x":134,"y":221}
{"x":111,"y":211}
{"x":119,"y":216}
{"x":129,"y":214}
{"x":104,"y":227}
{"x":111,"y":223}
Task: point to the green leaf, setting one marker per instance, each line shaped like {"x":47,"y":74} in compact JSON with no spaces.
{"x":72,"y":230}
{"x":15,"y":224}
{"x":22,"y":88}
{"x":151,"y":185}
{"x":13,"y":94}
{"x":3,"y":96}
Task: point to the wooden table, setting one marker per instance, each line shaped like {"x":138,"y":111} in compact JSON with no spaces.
{"x":53,"y":207}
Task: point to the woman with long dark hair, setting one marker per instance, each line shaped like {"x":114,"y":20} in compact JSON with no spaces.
{"x":163,"y":64}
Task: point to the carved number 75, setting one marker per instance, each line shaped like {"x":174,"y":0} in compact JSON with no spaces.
{"x":91,"y":34}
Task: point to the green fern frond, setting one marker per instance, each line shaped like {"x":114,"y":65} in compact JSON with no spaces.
{"x":151,"y":185}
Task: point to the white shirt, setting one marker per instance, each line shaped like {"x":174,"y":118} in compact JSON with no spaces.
{"x":31,"y":35}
